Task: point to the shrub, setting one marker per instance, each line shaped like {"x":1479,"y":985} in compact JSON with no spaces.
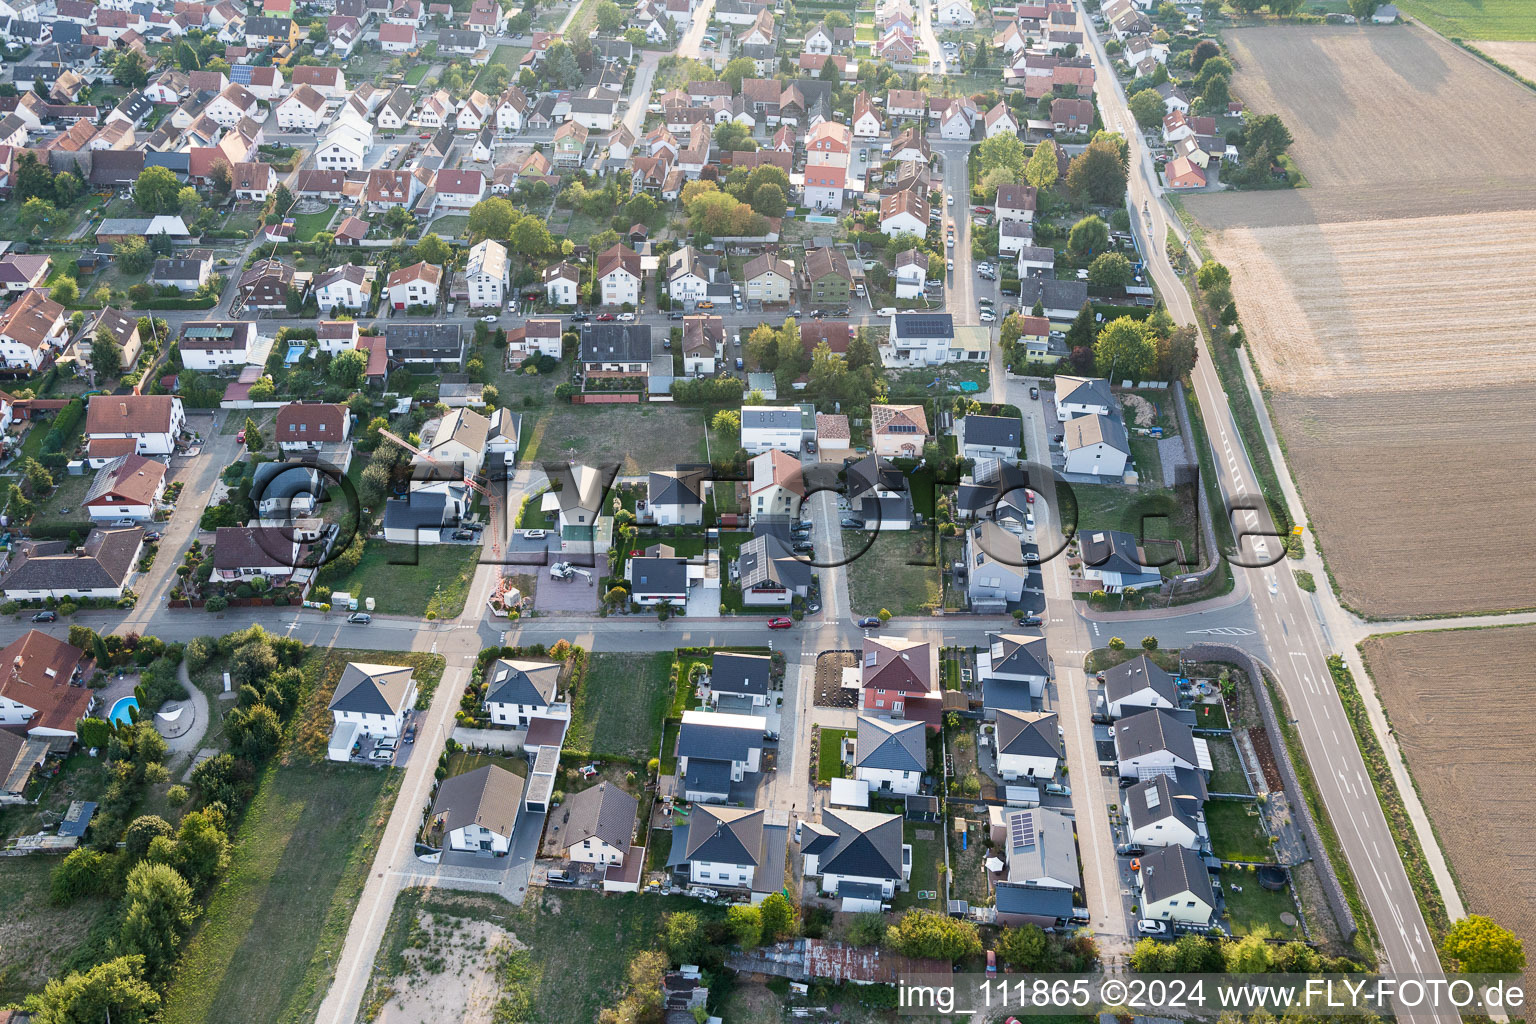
{"x":216,"y":603}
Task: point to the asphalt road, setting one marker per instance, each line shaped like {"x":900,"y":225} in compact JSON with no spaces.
{"x":1284,"y":617}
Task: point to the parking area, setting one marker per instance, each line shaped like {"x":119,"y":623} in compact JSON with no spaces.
{"x":578,"y":593}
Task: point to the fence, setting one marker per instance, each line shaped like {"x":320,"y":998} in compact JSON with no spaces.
{"x":508,"y":741}
{"x":606,"y":398}
{"x":1293,"y":792}
{"x":1189,"y":583}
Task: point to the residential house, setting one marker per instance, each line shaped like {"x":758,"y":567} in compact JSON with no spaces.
{"x":859,"y":855}
{"x":253,"y":181}
{"x":1040,"y":846}
{"x":1000,"y":120}
{"x":517,"y":691}
{"x":214,"y":344}
{"x":310,"y":426}
{"x":619,"y":276}
{"x":1113,"y":558}
{"x":128,"y":487}
{"x":425,"y":344}
{"x":615,"y":350}
{"x":1083,"y":396}
{"x":595,"y":826}
{"x":911,"y":273}
{"x":1160,"y":812}
{"x":1096,"y":446}
{"x":867,"y":122}
{"x":397,"y":39}
{"x":877,"y":492}
{"x":904,"y":213}
{"x":1174,"y":98}
{"x":40,"y":693}
{"x":1015,"y":204}
{"x":732,"y":848}
{"x":657,"y":580}
{"x":32,"y":330}
{"x":186,"y":273}
{"x":387,"y":189}
{"x":570,"y":144}
{"x":132,"y":424}
{"x":703,"y":341}
{"x":562,"y":283}
{"x":777,"y":486}
{"x":765,"y":428}
{"x":890,"y":756}
{"x":1154,"y":741}
{"x":41,"y":569}
{"x":1175,"y":887}
{"x":1028,"y":745}
{"x":416,"y":285}
{"x":715,"y":749}
{"x":769,"y":575}
{"x":957,"y":120}
{"x":537,"y":336}
{"x":900,"y":679}
{"x":21,"y":272}
{"x":302,"y":110}
{"x":486,"y":275}
{"x":990,"y":437}
{"x":688,"y":276}
{"x":124,"y":330}
{"x":956,"y":13}
{"x":373,"y":699}
{"x":337,"y":336}
{"x":1014,"y":670}
{"x":829,"y":277}
{"x":343,"y":287}
{"x":899,"y":431}
{"x":273,"y":552}
{"x":997,"y":570}
{"x":459,"y":190}
{"x":746,"y":679}
{"x":768,"y":279}
{"x":477,"y":811}
{"x":1139,"y":685}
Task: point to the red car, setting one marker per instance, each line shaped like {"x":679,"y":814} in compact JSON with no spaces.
{"x":424,"y":135}
{"x":1029,"y":497}
{"x":981,"y":209}
{"x":780,"y":622}
{"x":605,"y":317}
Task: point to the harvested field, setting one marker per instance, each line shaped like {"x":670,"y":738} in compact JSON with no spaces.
{"x":1460,"y":708}
{"x":1520,"y":56}
{"x":1350,"y":294}
{"x":1367,"y":465}
{"x":1367,"y":160}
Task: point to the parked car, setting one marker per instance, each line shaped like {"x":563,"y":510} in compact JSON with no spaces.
{"x":240,"y":438}
{"x":674,"y":315}
{"x":535,"y":534}
{"x":1034,"y":393}
{"x":804,"y":547}
{"x":987,"y":316}
{"x":46,"y":617}
{"x":605,"y":317}
{"x":705,"y":305}
{"x":1029,"y":521}
{"x":949,"y":265}
{"x":626,"y":317}
{"x":1147,"y":927}
{"x":780,"y":622}
{"x":1031,"y":620}
{"x":359,"y":618}
{"x":489,"y":319}
{"x":579,"y":318}
{"x":410,"y":733}
{"x":870,"y":622}
{"x":810,"y":447}
{"x":381,"y":755}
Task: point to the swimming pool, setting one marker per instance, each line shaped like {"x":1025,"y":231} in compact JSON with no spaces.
{"x":119,"y":713}
{"x":295,"y":353}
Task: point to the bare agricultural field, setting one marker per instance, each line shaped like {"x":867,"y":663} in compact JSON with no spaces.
{"x":1371,"y":306}
{"x":1406,"y":518}
{"x":1460,"y":709}
{"x":1519,"y":55}
{"x":1380,"y":128}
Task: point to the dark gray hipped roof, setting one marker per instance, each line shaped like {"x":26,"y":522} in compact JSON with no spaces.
{"x":615,"y":343}
{"x":680,"y":486}
{"x":1172,"y":871}
{"x":725,"y":835}
{"x":522,"y":682}
{"x":1000,"y":431}
{"x":1112,"y":551}
{"x":372,"y":689}
{"x":1028,"y":733}
{"x":868,"y":845}
{"x":102,"y":564}
{"x":1019,"y":655}
{"x":487,"y":797}
{"x":895,"y":746}
{"x":1132,"y":676}
{"x":740,"y":673}
{"x":658,"y":575}
{"x":1155,"y":799}
{"x":1151,"y":731}
{"x":763,"y":559}
{"x":707,"y":776}
{"x":603,"y":812}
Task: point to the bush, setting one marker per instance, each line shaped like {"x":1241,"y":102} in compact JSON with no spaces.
{"x":216,"y":603}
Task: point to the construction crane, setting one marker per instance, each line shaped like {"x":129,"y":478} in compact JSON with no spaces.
{"x":490,"y":496}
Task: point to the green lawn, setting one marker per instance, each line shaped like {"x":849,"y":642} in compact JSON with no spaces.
{"x":927,"y":855}
{"x":1256,"y":908}
{"x":417,"y":73}
{"x":306,"y":224}
{"x":638,"y":437}
{"x":897,"y":572}
{"x":451,"y":226}
{"x":1475,"y":19}
{"x":265,"y":947}
{"x":1227,"y":775}
{"x":39,"y":941}
{"x":579,"y":943}
{"x":1150,"y":514}
{"x":1237,"y":834}
{"x":410,"y":580}
{"x":461,"y":762}
{"x":829,"y":760}
{"x":619,"y":707}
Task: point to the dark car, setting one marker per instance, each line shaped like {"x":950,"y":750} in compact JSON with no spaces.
{"x":804,"y":547}
{"x":818,"y":314}
{"x":46,"y":617}
{"x":780,"y":622}
{"x":869,"y":622}
{"x":579,"y":318}
{"x":359,"y":618}
{"x":850,"y":523}
{"x":810,"y":447}
{"x":1031,"y":620}
{"x":674,"y":315}
{"x":1034,"y":393}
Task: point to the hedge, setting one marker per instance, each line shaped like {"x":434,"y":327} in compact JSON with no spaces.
{"x":168,"y":303}
{"x":57,"y":531}
{"x":1115,"y":312}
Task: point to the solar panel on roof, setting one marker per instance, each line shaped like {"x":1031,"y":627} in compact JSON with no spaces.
{"x":241,"y":74}
{"x":1152,"y":798}
{"x":1022,"y":829}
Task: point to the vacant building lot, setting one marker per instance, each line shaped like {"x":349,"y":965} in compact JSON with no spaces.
{"x":639,"y":438}
{"x":1411,"y":246}
{"x":1460,"y":708}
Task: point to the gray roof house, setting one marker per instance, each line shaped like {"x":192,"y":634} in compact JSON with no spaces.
{"x":675,"y":497}
{"x":730,"y":847}
{"x":517,"y":690}
{"x":877,"y":491}
{"x":603,"y":816}
{"x":715,"y":749}
{"x":856,"y":847}
{"x":1159,"y":813}
{"x":991,"y":437}
{"x":1176,"y":886}
{"x":424,"y":343}
{"x":769,"y":572}
{"x":615,"y":345}
{"x":740,"y":675}
{"x":51,"y":568}
{"x":884,"y":744}
{"x":1137,"y":685}
{"x":1154,"y":742}
{"x":1113,"y":557}
{"x":994,"y":562}
{"x":1029,"y":734}
{"x":656,"y":581}
{"x":484,"y":800}
{"x":374,"y":689}
{"x":1042,"y":850}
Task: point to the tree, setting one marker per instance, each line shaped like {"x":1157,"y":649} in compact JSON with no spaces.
{"x":736,"y":69}
{"x":65,"y":292}
{"x":641,"y":209}
{"x":1203,"y":51}
{"x":1124,"y":350}
{"x":202,"y":848}
{"x":1215,"y":280}
{"x":1001,"y":160}
{"x":114,"y":989}
{"x":253,"y":441}
{"x":264,"y":390}
{"x":609,"y":16}
{"x":67,"y":188}
{"x":223,"y":176}
{"x":1266,"y":131}
{"x":778,"y":916}
{"x":36,"y":213}
{"x":155,"y":191}
{"x":133,"y":254}
{"x":130,"y":70}
{"x":733,"y":136}
{"x":432,"y":249}
{"x":745,"y":924}
{"x":530,"y":237}
{"x":682,"y":936}
{"x":726,"y":421}
{"x":1177,"y":354}
{"x":32,"y":179}
{"x":492,"y":218}
{"x":1088,"y":236}
{"x":141,"y":832}
{"x":347,"y":368}
{"x":157,"y":909}
{"x":186,"y":57}
{"x":1216,"y":96}
{"x":1215,"y":67}
{"x":1478,"y":945}
{"x":39,"y":480}
{"x":1023,"y":948}
{"x":1363,"y":9}
{"x":1041,"y":171}
{"x":769,"y":201}
{"x":106,"y":354}
{"x":282,"y":201}
{"x":1152,"y":957}
{"x":1098,"y":173}
{"x":931,"y":935}
{"x":1110,"y":270}
{"x":1147,"y":107}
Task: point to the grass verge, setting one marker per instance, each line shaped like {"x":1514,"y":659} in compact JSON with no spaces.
{"x":829,"y":758}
